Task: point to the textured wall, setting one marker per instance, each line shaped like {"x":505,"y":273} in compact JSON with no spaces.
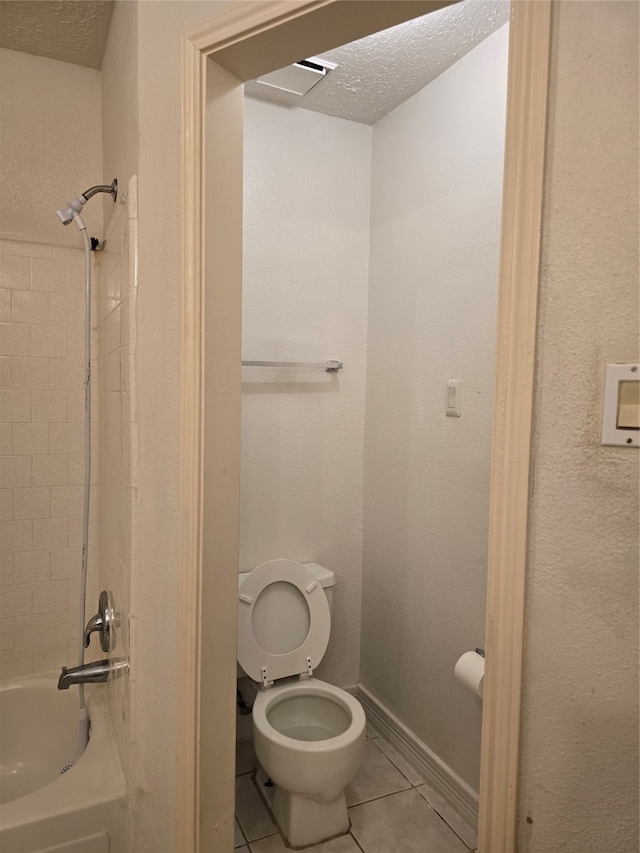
{"x":435,"y":214}
{"x":306,"y":255}
{"x":119,"y":92}
{"x":51,"y":150}
{"x":579,"y":774}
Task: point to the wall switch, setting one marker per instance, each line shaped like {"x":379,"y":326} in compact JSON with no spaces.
{"x":621,"y":409}
{"x":453,"y":399}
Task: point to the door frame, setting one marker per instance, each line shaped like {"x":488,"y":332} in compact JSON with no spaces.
{"x":218,"y":55}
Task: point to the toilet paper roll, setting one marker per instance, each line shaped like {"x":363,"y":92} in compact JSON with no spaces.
{"x":470,"y":672}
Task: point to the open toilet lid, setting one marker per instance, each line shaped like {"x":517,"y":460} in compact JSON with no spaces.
{"x":284,"y":621}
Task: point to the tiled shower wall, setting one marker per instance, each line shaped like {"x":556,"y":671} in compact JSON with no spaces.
{"x":42,"y":456}
{"x":117,"y":313}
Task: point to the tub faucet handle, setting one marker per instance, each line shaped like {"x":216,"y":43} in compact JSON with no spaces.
{"x":104,"y":622}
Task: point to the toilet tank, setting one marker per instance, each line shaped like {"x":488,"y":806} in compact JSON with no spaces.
{"x":326,"y":578}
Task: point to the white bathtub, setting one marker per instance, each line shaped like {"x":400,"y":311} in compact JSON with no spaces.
{"x":42,"y":810}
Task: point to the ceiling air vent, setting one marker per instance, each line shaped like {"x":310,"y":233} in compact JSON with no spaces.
{"x":299,"y":78}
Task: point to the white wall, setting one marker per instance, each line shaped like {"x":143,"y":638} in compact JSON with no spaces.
{"x":579,"y":772}
{"x":49,"y":152}
{"x":435,"y":232}
{"x":306,"y":246}
{"x":50,"y":149}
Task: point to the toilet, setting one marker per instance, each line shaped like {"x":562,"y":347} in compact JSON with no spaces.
{"x":309,"y":736}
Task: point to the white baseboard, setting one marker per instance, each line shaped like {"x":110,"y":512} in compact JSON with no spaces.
{"x":460,"y":796}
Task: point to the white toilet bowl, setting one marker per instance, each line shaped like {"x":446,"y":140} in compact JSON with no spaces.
{"x":309,"y":736}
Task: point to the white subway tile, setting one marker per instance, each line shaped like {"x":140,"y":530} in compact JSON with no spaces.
{"x":15,"y":406}
{"x":28,"y":307}
{"x":6,"y":440}
{"x":64,"y":623}
{"x":49,"y":406}
{"x":49,"y":470}
{"x":30,"y":438}
{"x":15,"y":339}
{"x":28,"y":631}
{"x":49,"y":533}
{"x":15,"y":663}
{"x":66,"y":500}
{"x":5,"y":306}
{"x":14,"y":272}
{"x":6,"y":504}
{"x":65,"y":373}
{"x":50,"y":657}
{"x":49,"y":341}
{"x":6,"y":634}
{"x":15,"y":536}
{"x":59,"y":309}
{"x":50,"y":596}
{"x":31,"y":503}
{"x":75,"y":530}
{"x":66,"y":563}
{"x":75,"y":469}
{"x":6,"y":602}
{"x":5,"y":372}
{"x":6,"y":569}
{"x":75,"y":405}
{"x":23,"y":599}
{"x":31,"y":567}
{"x":15,"y":471}
{"x":29,"y":373}
{"x":66,"y":438}
{"x":75,"y":342}
{"x":49,"y":275}
{"x":25,"y":249}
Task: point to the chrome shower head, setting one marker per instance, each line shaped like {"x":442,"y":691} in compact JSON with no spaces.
{"x":74,"y":207}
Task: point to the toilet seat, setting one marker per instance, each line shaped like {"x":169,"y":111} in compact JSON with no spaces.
{"x":260,"y":600}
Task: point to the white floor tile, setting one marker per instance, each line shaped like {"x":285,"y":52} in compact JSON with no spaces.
{"x":251,"y":812}
{"x":275,"y":844}
{"x":447,"y":813}
{"x":403,"y":766}
{"x":402,"y":823}
{"x":238,"y":837}
{"x":376,"y":777}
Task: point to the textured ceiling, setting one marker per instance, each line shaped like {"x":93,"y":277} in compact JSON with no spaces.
{"x":378,"y":73}
{"x":69,"y":30}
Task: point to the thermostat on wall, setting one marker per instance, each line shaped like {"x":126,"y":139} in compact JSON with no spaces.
{"x":621,"y":409}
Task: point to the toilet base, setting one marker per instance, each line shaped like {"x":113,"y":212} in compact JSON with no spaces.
{"x":303,"y":821}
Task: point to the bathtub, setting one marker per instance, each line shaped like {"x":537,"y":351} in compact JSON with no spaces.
{"x":41,"y":809}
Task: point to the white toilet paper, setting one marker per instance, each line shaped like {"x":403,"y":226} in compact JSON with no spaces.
{"x":470,"y":672}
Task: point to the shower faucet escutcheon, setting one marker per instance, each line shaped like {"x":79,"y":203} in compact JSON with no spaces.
{"x":104,"y":621}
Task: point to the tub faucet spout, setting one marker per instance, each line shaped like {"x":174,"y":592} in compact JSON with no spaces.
{"x":88,"y":673}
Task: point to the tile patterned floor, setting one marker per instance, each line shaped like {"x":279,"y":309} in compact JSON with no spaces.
{"x":391,"y":808}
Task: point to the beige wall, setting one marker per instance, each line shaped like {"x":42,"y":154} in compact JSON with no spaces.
{"x":159,"y":28}
{"x":579,"y":773}
{"x":306,"y":257}
{"x":435,"y":241}
{"x":49,"y":152}
{"x":119,"y":92}
{"x":159,"y":92}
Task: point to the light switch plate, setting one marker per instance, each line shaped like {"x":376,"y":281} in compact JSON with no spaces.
{"x":453,"y":399}
{"x":619,"y":409}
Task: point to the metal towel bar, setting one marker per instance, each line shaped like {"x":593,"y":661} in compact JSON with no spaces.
{"x":330,"y":366}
